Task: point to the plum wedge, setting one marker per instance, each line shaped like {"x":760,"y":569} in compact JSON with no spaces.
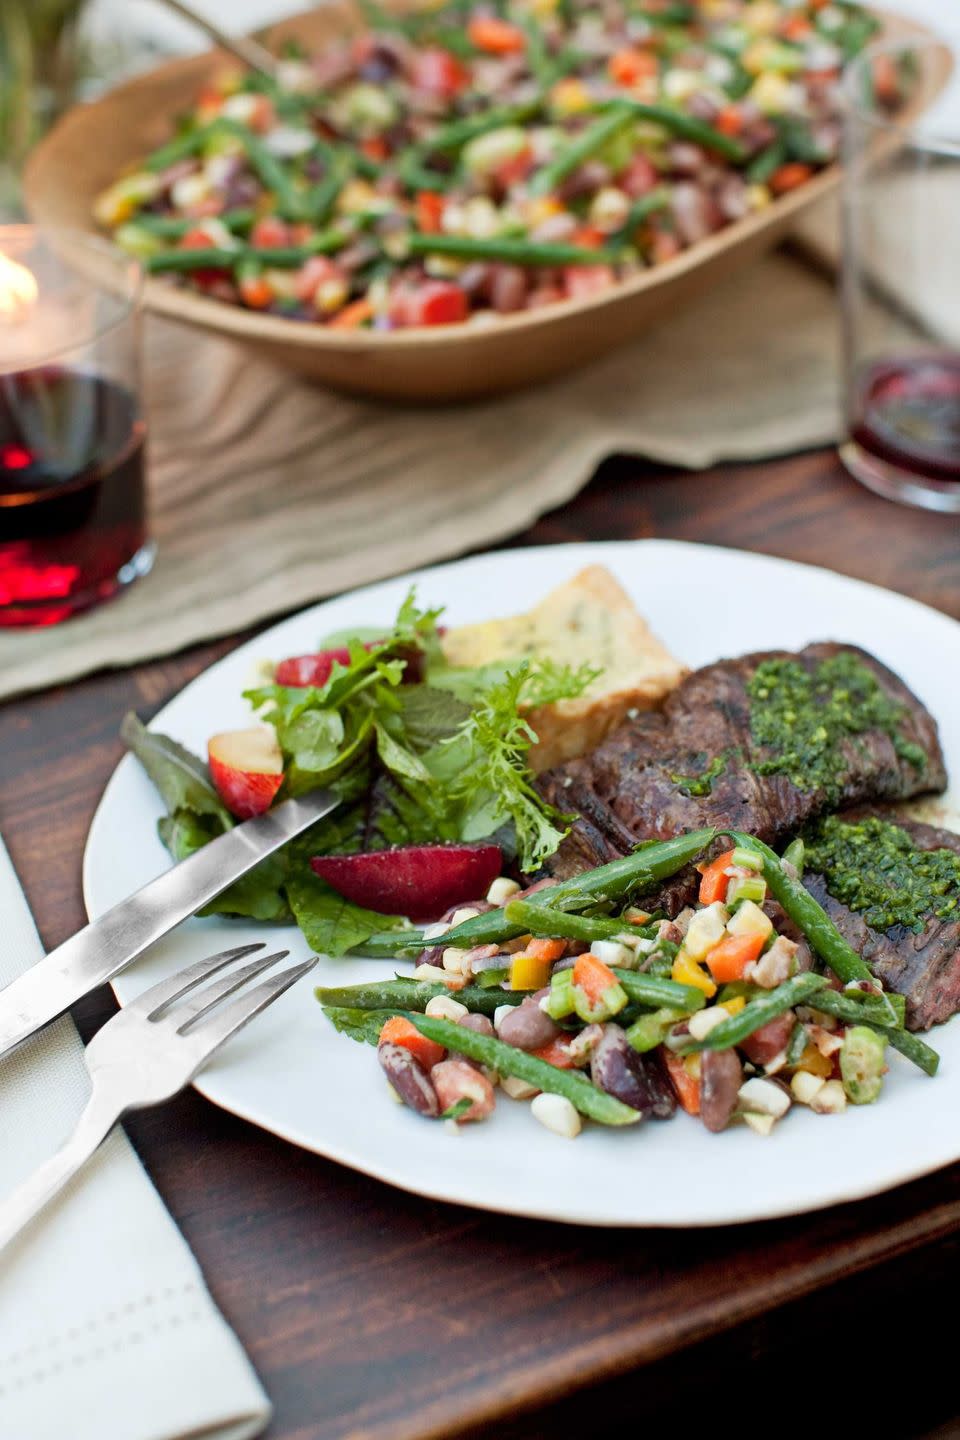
{"x":421,"y":881}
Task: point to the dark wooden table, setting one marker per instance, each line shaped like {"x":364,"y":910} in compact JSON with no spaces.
{"x":371,"y":1313}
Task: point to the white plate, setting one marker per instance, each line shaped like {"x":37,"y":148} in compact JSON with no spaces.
{"x":293,"y":1075}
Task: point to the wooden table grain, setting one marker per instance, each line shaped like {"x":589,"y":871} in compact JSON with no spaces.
{"x":371,"y":1313}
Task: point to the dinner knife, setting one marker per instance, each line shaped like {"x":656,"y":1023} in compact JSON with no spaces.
{"x":107,"y":945}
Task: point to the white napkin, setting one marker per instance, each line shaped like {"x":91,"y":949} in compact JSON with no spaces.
{"x":107,"y":1331}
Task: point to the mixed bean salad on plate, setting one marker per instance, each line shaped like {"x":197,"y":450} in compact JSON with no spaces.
{"x":467,"y":160}
{"x":738,"y":1009}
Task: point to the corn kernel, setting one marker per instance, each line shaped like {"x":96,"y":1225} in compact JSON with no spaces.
{"x":764,"y":1097}
{"x":762,"y":1124}
{"x":750,"y":920}
{"x":706,"y":1020}
{"x":433,"y":972}
{"x":540,"y":209}
{"x":687,"y":972}
{"x":466,"y":912}
{"x":759,"y":197}
{"x":518,"y":1089}
{"x":805,"y":1086}
{"x":481,"y":218}
{"x":831,"y":1100}
{"x":444,"y":1008}
{"x":453,"y":958}
{"x":705,"y":930}
{"x":761,"y":18}
{"x":556,"y":1113}
{"x":773,"y":94}
{"x":331,"y":294}
{"x":502,"y":890}
{"x":356,"y":195}
{"x":679,"y":85}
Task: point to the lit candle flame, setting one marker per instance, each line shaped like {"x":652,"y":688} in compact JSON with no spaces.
{"x":18,"y":291}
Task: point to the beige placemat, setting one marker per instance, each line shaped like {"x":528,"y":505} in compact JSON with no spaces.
{"x":268,"y":493}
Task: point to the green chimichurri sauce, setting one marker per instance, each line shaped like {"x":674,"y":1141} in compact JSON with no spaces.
{"x":702,"y":783}
{"x":874,"y":867}
{"x":800,"y":718}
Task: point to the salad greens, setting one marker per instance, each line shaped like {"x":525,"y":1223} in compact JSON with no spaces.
{"x":443,"y":758}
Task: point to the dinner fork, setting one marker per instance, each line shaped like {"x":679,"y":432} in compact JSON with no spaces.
{"x":147,"y":1053}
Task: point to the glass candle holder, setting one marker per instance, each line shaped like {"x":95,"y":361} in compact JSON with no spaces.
{"x":900,"y":278}
{"x":73,"y":523}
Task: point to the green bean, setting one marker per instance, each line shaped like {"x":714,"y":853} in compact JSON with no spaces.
{"x":586,"y":144}
{"x":410,"y":994}
{"x":802,"y":990}
{"x":283,"y":257}
{"x":510,"y":248}
{"x":910,"y":1046}
{"x":172,"y":227}
{"x":649,"y":990}
{"x":182,"y":147}
{"x":794,"y":855}
{"x":635,"y":873}
{"x":322,"y":199}
{"x":508,"y":1060}
{"x":800,"y":906}
{"x":415,"y":175}
{"x":640,"y":211}
{"x":269,"y":169}
{"x":687,"y":127}
{"x":760,"y":169}
{"x":557,"y":924}
{"x":459,"y":132}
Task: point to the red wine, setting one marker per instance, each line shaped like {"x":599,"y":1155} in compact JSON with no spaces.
{"x":72,"y":508}
{"x":908,"y":415}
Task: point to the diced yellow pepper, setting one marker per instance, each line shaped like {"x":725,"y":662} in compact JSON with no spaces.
{"x":764,"y":17}
{"x":541,"y":208}
{"x":529,"y":972}
{"x":817,"y":1064}
{"x":687,"y":972}
{"x":755,"y":57}
{"x":759,"y":197}
{"x":569,"y":96}
{"x":734,"y":1006}
{"x":771,"y":93}
{"x":356,"y":195}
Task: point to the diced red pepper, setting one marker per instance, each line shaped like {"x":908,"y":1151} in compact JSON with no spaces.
{"x":421,"y":881}
{"x":686,"y":1085}
{"x":429,"y":211}
{"x":728,"y":961}
{"x":713,"y":885}
{"x":790,"y":177}
{"x":557,"y":1053}
{"x":400,"y":1031}
{"x":496,"y":36}
{"x":436,"y":302}
{"x":270,"y":232}
{"x":256,"y":292}
{"x":438,"y":72}
{"x":628,"y":67}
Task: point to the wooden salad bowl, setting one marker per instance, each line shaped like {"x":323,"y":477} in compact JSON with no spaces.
{"x":95,"y":143}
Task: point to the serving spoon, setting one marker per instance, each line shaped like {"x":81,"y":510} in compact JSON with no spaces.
{"x":254,"y":55}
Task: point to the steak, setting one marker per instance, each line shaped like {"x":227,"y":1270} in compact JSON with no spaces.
{"x":651,"y":778}
{"x":922,"y":966}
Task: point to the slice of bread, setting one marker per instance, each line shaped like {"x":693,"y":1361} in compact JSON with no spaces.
{"x":590,"y":619}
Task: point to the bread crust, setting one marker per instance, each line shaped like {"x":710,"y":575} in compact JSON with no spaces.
{"x":589,"y":619}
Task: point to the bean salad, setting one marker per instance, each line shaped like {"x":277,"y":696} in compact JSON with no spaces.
{"x":456,"y":163}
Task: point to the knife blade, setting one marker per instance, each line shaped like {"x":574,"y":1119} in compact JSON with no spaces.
{"x":107,"y":945}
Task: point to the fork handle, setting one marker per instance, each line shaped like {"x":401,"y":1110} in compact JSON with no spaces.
{"x":98,"y":1118}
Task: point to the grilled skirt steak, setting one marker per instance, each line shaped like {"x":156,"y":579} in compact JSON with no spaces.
{"x":923,"y":966}
{"x":704,"y":759}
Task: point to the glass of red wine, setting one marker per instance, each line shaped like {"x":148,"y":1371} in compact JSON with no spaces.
{"x":73,"y":523}
{"x":901,"y":279}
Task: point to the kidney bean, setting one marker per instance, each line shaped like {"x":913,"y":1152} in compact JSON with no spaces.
{"x":481,"y":1023}
{"x":686,"y":159}
{"x":409,"y":1079}
{"x":528,"y":1027}
{"x":508,"y":289}
{"x":721,"y":1076}
{"x":769,"y":1040}
{"x":695,"y":213}
{"x":635,"y":1079}
{"x":456,"y":1080}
